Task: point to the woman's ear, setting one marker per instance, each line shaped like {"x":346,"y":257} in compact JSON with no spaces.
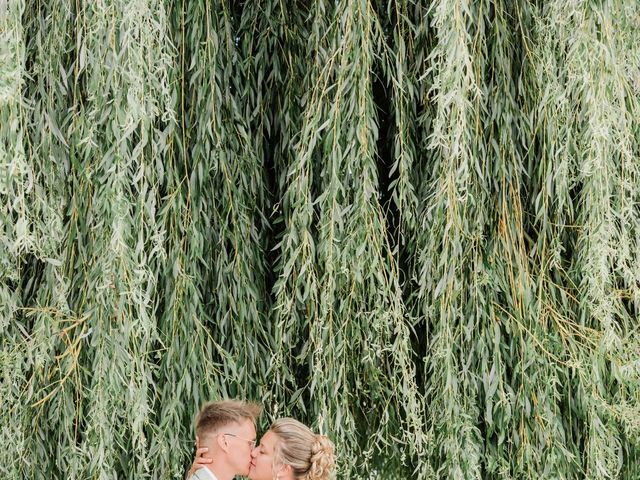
{"x":284,"y":472}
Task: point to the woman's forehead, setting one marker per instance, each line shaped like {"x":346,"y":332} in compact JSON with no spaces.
{"x":268,"y":440}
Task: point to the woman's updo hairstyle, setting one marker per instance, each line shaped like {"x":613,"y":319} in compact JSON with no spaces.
{"x":309,"y":455}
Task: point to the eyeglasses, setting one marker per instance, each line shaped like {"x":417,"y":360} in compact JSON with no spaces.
{"x":252,"y":443}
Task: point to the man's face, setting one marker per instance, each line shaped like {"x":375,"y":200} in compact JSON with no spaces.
{"x":240,"y":438}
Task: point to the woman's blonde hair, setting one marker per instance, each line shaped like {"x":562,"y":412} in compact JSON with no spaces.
{"x":309,"y":455}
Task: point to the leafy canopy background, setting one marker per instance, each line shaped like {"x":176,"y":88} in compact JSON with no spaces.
{"x":411,"y":224}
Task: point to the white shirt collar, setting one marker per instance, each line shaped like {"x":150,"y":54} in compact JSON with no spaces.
{"x":203,"y":474}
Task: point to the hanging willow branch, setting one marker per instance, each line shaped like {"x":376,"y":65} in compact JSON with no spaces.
{"x":450,"y":227}
{"x":16,"y":181}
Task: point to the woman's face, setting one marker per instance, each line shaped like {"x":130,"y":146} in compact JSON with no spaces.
{"x":262,"y":467}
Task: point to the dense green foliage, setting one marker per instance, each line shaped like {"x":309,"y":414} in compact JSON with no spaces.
{"x":414,"y":225}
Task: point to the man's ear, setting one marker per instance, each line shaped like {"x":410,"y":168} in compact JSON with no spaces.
{"x":222,"y":442}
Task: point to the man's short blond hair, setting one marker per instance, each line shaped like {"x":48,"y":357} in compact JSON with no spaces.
{"x":215,"y":415}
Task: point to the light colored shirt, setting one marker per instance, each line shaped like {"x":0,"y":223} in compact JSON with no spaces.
{"x":203,"y":474}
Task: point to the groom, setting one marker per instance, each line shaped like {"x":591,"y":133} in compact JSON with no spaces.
{"x":227,"y":429}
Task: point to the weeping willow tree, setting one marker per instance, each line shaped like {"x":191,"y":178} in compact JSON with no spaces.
{"x":411,"y":224}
